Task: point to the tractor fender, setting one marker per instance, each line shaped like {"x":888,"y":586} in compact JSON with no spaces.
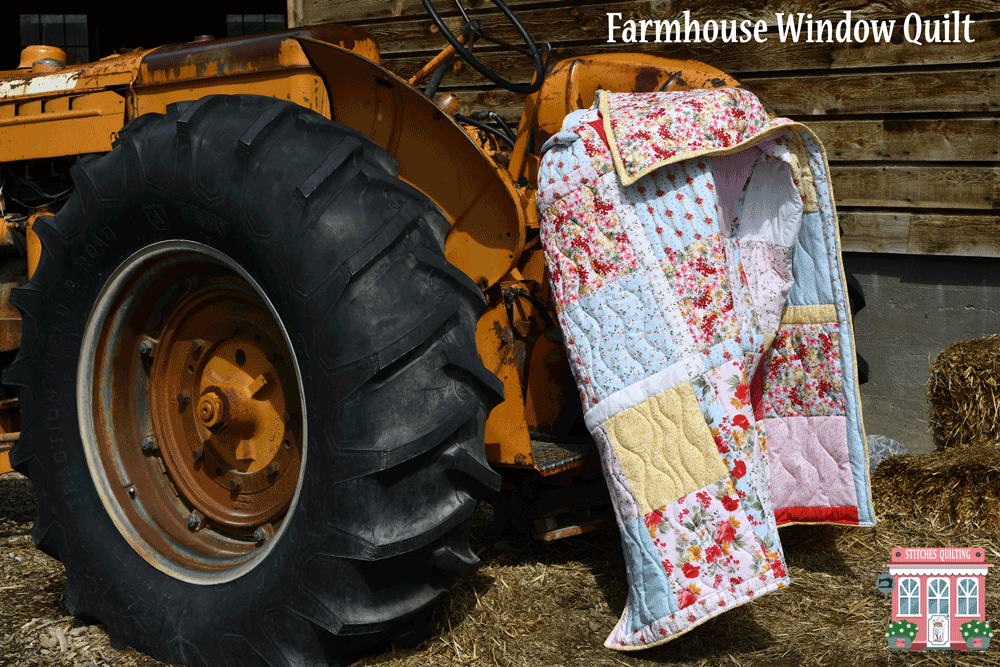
{"x":435,"y":156}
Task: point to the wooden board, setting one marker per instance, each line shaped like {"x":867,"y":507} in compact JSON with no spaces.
{"x":920,"y":233}
{"x":349,"y":11}
{"x":917,"y":186}
{"x":967,"y":139}
{"x":931,"y":91}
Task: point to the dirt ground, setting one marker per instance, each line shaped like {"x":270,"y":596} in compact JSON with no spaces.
{"x":533,"y":604}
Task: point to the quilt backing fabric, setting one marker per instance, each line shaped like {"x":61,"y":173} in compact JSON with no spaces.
{"x":693,"y":251}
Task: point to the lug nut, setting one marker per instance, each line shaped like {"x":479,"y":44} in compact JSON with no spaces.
{"x":189,"y":283}
{"x":273,"y":469}
{"x":198,"y":453}
{"x":195,"y":521}
{"x":149,"y":444}
{"x":147,"y":346}
{"x":197,"y":346}
{"x":235,"y":484}
{"x":263,"y":533}
{"x":183,"y":398}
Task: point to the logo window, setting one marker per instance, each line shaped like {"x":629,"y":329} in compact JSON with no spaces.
{"x":937,"y":596}
{"x":967,"y":599}
{"x":909,"y":597}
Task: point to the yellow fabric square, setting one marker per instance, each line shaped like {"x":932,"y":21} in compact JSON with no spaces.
{"x":821,"y":314}
{"x":665,"y":448}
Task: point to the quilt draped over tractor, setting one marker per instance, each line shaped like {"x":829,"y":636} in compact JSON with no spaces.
{"x":694,"y":256}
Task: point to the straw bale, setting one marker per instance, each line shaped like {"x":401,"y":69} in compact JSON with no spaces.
{"x":964,"y":393}
{"x":956,"y":485}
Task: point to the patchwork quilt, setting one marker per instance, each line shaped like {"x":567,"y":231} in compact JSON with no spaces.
{"x":694,"y":255}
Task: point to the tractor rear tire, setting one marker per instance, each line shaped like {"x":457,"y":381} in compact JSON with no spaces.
{"x":323,"y":264}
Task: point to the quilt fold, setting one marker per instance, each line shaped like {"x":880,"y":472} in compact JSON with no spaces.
{"x":693,"y":251}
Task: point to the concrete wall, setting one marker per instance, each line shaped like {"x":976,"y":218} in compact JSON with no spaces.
{"x":917,"y":306}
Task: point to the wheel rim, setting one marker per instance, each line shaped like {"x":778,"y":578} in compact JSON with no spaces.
{"x":191,"y":411}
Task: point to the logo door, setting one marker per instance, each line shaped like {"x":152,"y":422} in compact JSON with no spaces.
{"x":938,"y":630}
{"x":938,"y":633}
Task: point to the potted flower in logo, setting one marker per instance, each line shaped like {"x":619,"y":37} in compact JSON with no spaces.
{"x":976,"y":635}
{"x":900,"y":634}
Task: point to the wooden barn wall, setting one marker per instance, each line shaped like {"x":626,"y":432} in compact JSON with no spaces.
{"x":912,"y":133}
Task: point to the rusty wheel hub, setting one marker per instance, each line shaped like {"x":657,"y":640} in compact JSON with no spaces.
{"x":195,"y":401}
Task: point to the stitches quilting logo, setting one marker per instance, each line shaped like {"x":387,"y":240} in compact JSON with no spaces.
{"x":938,"y":599}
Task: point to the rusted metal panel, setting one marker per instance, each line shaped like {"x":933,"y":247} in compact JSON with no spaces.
{"x":301,"y":86}
{"x":117,"y":70}
{"x":246,"y":55}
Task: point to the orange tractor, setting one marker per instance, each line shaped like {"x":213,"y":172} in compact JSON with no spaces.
{"x":251,"y":277}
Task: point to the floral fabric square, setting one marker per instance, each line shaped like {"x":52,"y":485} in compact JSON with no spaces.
{"x":802,"y":372}
{"x":586,"y":246}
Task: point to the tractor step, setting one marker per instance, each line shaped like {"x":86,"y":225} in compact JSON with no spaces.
{"x":554,"y":457}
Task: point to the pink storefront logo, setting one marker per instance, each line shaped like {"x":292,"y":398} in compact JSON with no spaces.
{"x":938,"y":598}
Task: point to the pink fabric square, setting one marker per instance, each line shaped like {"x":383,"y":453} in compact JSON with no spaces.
{"x":808,"y":462}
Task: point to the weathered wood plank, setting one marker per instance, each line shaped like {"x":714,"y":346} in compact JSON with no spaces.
{"x":953,"y":91}
{"x":567,"y":30}
{"x":920,"y":233}
{"x":917,"y":186}
{"x":344,"y":11}
{"x":967,"y":139}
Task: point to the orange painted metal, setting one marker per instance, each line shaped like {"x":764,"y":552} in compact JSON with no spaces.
{"x":74,"y":111}
{"x":5,"y":463}
{"x":505,"y":355}
{"x":435,"y":62}
{"x":33,"y":243}
{"x":36,"y":52}
{"x":64,"y":125}
{"x":435,"y":156}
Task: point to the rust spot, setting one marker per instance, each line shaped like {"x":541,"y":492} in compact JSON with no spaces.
{"x":646,"y":79}
{"x":520,"y":460}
